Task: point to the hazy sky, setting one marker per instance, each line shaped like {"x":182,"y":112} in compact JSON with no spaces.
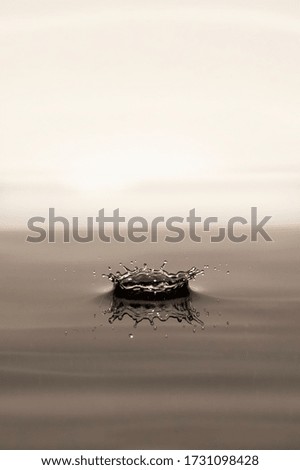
{"x":154,"y":107}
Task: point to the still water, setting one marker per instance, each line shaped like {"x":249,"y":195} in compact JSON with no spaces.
{"x":217,"y":368}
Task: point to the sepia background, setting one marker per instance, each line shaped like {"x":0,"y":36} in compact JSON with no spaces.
{"x":131,"y":104}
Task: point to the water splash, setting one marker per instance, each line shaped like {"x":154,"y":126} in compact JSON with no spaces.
{"x":150,"y":283}
{"x":180,"y":309}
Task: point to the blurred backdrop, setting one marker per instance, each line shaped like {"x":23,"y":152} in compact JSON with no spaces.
{"x":154,"y":107}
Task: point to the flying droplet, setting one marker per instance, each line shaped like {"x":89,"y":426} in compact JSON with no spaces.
{"x":131,"y":336}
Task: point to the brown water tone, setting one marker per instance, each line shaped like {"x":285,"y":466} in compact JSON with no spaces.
{"x":70,"y":379}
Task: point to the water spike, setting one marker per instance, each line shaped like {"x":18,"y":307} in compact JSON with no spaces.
{"x":124,"y":267}
{"x":164,"y":264}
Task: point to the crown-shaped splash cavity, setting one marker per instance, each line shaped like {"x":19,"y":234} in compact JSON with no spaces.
{"x":150,"y":283}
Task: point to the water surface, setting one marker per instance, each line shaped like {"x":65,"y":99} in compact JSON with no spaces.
{"x":70,"y":379}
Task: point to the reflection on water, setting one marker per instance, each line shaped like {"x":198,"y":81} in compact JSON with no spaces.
{"x":139,"y":310}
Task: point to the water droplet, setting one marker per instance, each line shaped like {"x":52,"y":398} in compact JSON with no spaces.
{"x":194,"y":329}
{"x":65,"y":269}
{"x":131,"y":335}
{"x":66,"y":332}
{"x":202,"y":327}
{"x":228,"y":272}
{"x":227,"y":323}
{"x":94,"y":273}
{"x":155,"y":327}
{"x":166,"y":335}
